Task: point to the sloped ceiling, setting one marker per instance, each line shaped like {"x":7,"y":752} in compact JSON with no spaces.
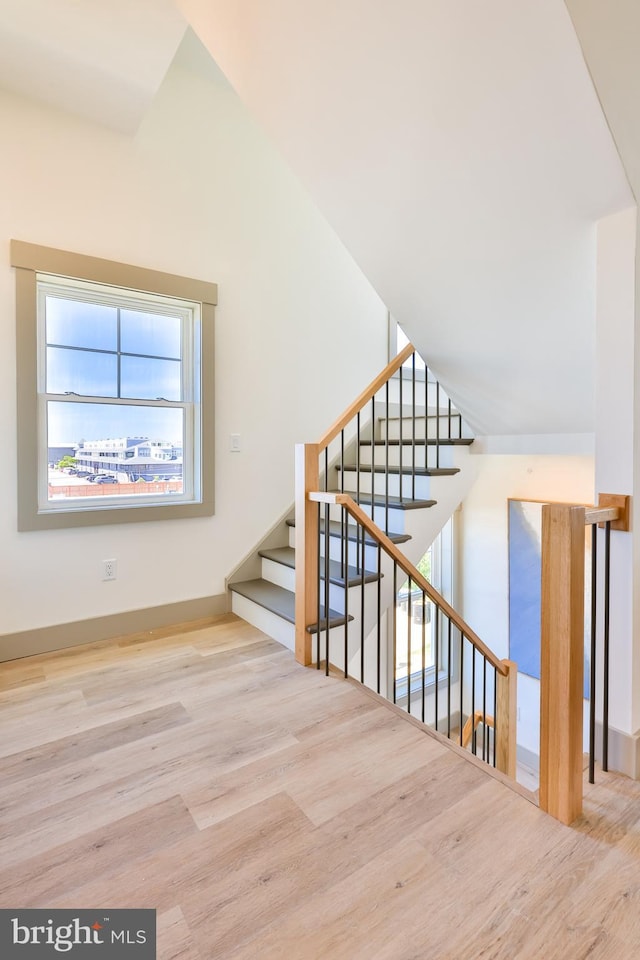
{"x":609,"y":35}
{"x":459,"y":150}
{"x":101,"y":59}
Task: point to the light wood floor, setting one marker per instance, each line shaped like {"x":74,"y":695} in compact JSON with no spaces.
{"x":269,"y":812}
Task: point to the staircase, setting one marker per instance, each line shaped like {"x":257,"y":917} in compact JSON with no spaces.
{"x":408,"y":468}
{"x":389,"y":472}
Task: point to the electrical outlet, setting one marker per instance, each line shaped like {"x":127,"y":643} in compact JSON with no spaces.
{"x":109,"y":569}
{"x":518,"y":714}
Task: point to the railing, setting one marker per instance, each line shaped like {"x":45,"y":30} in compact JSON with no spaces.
{"x":563,"y":647}
{"x":402,"y":390}
{"x":394,"y":432}
{"x":461,"y":685}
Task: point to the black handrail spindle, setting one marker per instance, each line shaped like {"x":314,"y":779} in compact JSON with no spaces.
{"x":379,"y":623}
{"x":413,"y":427}
{"x":484,"y":707}
{"x":394,"y":626}
{"x":437,"y":657}
{"x":409,"y":615}
{"x":461,"y":719}
{"x":326,"y":588}
{"x":495,"y":713}
{"x":605,"y":653}
{"x":449,"y":678}
{"x":437,"y":424}
{"x":592,"y":671}
{"x":400,"y":486}
{"x":473,"y":700}
{"x":318,"y":637}
{"x":386,"y":465}
{"x":424,"y":653}
{"x":362,"y":613}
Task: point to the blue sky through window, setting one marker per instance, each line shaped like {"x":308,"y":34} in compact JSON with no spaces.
{"x":89,"y":353}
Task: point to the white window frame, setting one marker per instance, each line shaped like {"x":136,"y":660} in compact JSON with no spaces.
{"x":39,"y":268}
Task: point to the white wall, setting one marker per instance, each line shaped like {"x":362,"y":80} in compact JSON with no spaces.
{"x":615,"y":400}
{"x":483,"y":550}
{"x":199,"y":192}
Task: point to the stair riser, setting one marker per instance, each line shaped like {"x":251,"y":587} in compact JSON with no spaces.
{"x":393,"y":521}
{"x":370,"y":553}
{"x":285,"y":577}
{"x":391,"y":428}
{"x":270,"y":623}
{"x":419,"y":488}
{"x":421,"y":456}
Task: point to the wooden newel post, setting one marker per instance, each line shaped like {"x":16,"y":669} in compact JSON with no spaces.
{"x":562,"y":661}
{"x":306,"y":540}
{"x":506,"y":719}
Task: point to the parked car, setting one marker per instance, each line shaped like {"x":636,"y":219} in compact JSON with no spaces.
{"x":105,"y":478}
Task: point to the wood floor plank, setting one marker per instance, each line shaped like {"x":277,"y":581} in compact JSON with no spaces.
{"x":104,"y":852}
{"x":174,"y":938}
{"x":87,"y":743}
{"x":265,"y":810}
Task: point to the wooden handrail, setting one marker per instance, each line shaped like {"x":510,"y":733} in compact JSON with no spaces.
{"x":365,"y":396}
{"x":601,"y":514}
{"x":412,"y":572}
{"x":472,"y":724}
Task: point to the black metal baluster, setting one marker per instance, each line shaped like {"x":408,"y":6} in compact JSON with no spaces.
{"x":461,"y":720}
{"x":437,"y":657}
{"x":326,"y":587}
{"x":437,"y":424}
{"x":394,"y":624}
{"x":473,"y":700}
{"x":400,"y":485}
{"x":449,"y":680}
{"x":358,"y":489}
{"x":605,"y":655}
{"x":318,"y":636}
{"x":413,"y":427}
{"x":495,"y":714}
{"x":484,"y":707}
{"x":409,"y":615}
{"x":343,"y":516}
{"x":379,"y":625}
{"x":426,"y":416}
{"x":424,"y":652}
{"x":386,"y":466}
{"x":362,"y":613}
{"x":346,"y":596}
{"x":592,"y":671}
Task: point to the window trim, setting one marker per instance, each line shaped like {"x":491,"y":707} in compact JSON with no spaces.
{"x":31,"y":259}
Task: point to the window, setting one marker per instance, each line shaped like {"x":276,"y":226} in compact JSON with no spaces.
{"x":415,"y":621}
{"x":115,"y":395}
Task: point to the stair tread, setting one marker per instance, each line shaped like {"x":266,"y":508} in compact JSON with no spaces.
{"x":380,"y":500}
{"x":335,"y":530}
{"x":424,"y":416}
{"x":409,"y":472}
{"x":282,"y":602}
{"x":430,"y":442}
{"x":287,"y":557}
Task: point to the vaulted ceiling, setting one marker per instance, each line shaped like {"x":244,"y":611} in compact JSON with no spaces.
{"x":457,"y":148}
{"x":101,"y":59}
